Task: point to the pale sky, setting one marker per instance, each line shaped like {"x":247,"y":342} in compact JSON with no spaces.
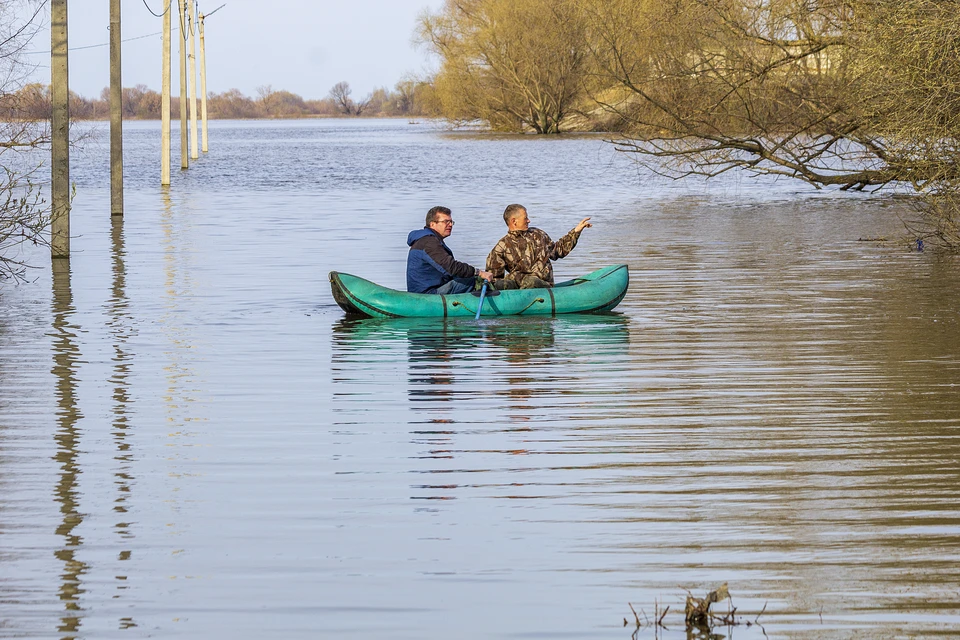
{"x":303,"y":46}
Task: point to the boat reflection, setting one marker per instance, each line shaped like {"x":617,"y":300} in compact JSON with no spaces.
{"x":438,"y":351}
{"x":443,"y":356}
{"x":473,"y":377}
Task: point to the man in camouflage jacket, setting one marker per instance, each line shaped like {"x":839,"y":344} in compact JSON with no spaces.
{"x":524,"y":254}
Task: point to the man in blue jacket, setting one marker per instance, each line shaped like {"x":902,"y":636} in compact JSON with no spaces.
{"x":431,"y":267}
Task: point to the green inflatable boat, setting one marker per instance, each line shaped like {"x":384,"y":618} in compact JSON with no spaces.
{"x":599,"y":291}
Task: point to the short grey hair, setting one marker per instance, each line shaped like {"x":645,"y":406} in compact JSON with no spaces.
{"x":512,"y":211}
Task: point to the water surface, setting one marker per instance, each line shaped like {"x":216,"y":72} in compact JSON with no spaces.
{"x":195,"y":442}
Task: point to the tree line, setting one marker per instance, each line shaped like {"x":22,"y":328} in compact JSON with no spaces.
{"x":410,"y":97}
{"x":856,"y":94}
{"x":850,"y":94}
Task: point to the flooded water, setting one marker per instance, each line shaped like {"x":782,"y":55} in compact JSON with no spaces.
{"x":196,"y":443}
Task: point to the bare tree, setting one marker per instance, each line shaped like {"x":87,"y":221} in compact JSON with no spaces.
{"x":265,"y":98}
{"x":23,"y":214}
{"x":340,"y":94}
{"x":404,"y":94}
{"x":363,"y":105}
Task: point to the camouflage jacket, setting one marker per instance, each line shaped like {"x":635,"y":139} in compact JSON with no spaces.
{"x":528,"y":253}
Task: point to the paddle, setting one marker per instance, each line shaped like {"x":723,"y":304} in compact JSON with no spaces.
{"x":483,"y":294}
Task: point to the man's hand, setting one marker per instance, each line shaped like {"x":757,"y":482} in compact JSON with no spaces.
{"x":486,"y":275}
{"x":583,"y":225}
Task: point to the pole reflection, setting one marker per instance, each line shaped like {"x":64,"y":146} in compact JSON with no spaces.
{"x":182,"y":381}
{"x":65,"y":362}
{"x":120,"y":326}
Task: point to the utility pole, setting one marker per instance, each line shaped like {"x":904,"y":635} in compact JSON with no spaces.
{"x":116,"y":114}
{"x":193,"y":83}
{"x":165,"y":100}
{"x":182,"y":6}
{"x":203,"y":90}
{"x":60,"y":133}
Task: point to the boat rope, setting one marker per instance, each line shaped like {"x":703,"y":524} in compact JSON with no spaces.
{"x":536,"y":300}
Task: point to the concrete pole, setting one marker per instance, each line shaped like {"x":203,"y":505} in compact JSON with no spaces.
{"x":60,"y":132}
{"x":116,"y":114}
{"x":203,"y":91}
{"x":193,"y":83}
{"x":182,"y":6}
{"x":165,"y":100}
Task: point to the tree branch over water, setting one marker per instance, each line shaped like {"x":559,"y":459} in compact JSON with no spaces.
{"x":705,"y":86}
{"x":23,"y":214}
{"x":851,"y":94}
{"x":848,"y":93}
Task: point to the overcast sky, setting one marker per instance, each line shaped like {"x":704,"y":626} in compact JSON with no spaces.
{"x":303,"y":46}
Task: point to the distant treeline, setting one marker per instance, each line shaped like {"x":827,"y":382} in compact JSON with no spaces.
{"x":408,"y":98}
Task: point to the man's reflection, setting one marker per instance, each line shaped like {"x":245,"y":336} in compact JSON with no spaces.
{"x":437,"y":355}
{"x":459,"y":370}
{"x":526,"y":346}
{"x":435,"y":351}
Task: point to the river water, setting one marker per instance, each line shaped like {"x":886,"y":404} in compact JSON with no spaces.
{"x":196,"y":443}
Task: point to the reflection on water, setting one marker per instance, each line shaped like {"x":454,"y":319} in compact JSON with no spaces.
{"x":738,"y":432}
{"x":66,"y":358}
{"x":514,"y":366}
{"x":120,"y":325}
{"x":438,"y":352}
{"x":218,"y":452}
{"x":181,"y":382}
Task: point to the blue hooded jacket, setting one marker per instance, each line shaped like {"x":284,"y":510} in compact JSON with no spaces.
{"x":430,"y":262}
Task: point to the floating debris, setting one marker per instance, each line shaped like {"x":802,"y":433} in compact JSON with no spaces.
{"x":697,"y":614}
{"x":697,"y":610}
{"x":656,"y":622}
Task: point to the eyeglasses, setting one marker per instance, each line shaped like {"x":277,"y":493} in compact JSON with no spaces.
{"x":449,"y":222}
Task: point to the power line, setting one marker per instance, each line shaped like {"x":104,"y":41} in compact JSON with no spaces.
{"x":207,"y":15}
{"x":94,"y":46}
{"x":156,"y":15}
{"x":106,"y":44}
{"x":182,"y":29}
{"x":182,"y":13}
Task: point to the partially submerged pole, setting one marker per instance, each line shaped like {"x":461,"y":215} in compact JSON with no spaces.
{"x":193,"y":82}
{"x":116,"y":113}
{"x":181,"y":6}
{"x":203,"y":91}
{"x":165,"y":100}
{"x":60,"y":132}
